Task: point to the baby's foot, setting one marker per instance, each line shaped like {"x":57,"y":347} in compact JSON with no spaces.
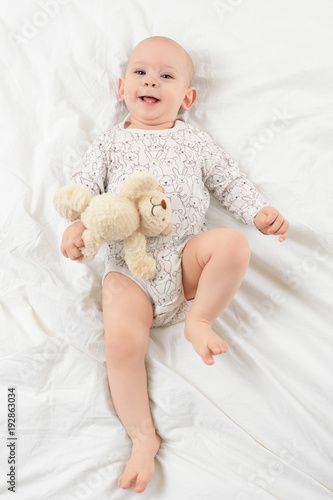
{"x":140,"y":468}
{"x":206,"y":343}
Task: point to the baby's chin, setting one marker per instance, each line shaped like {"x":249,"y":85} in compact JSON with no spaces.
{"x":147,"y":122}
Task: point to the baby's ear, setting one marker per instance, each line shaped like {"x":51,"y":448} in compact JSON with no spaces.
{"x":189,"y":99}
{"x":121,"y":89}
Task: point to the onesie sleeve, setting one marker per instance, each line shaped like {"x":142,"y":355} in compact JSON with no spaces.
{"x":230,"y":186}
{"x":92,"y":171}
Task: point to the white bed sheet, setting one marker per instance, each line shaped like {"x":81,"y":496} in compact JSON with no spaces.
{"x":257,"y":424}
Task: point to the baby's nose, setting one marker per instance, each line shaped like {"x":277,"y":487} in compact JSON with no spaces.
{"x":150,"y":79}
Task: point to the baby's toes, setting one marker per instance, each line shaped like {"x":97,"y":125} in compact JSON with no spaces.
{"x":218,"y":347}
{"x":142,"y":481}
{"x":224,"y":346}
{"x":208,"y":359}
{"x":126,"y":481}
{"x":214,"y":348}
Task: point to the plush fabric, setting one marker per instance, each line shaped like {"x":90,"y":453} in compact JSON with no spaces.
{"x":128,"y":216}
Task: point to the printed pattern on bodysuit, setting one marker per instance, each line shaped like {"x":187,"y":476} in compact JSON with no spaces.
{"x":188,"y":164}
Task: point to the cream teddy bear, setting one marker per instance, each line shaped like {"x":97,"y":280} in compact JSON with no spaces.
{"x":141,"y":210}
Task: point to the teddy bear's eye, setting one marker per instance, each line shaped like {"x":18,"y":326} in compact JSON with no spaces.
{"x":162,"y":204}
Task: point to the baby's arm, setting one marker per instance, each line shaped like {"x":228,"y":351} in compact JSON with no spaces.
{"x":236,"y":192}
{"x":269,"y":221}
{"x":72,"y":241}
{"x":92,"y":174}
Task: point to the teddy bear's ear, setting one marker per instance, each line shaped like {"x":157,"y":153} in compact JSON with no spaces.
{"x":138,"y":183}
{"x":70,"y":201}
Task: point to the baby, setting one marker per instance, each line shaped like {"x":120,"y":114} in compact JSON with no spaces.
{"x":198,"y":270}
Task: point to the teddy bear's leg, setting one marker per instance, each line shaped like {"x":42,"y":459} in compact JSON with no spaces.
{"x":141,"y":265}
{"x":91,"y":246}
{"x":70,"y":201}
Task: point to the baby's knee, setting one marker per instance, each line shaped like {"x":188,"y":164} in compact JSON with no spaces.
{"x":125,"y":343}
{"x":235,"y":245}
{"x":241,"y":244}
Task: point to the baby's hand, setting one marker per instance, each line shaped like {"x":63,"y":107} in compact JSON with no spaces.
{"x":269,"y":221}
{"x":72,"y":241}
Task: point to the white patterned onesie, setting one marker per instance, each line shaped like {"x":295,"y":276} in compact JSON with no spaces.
{"x":188,"y":164}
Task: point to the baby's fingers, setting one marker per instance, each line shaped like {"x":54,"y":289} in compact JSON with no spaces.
{"x":78,"y":241}
{"x":74,"y":253}
{"x":283,"y":236}
{"x":271,"y":218}
{"x":284,"y":230}
{"x":70,"y":250}
{"x":63,"y":251}
{"x":276,"y":225}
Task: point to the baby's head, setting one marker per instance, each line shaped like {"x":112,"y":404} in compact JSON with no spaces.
{"x":157,"y":83}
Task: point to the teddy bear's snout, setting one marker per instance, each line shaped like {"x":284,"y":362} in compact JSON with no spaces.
{"x":163,"y":204}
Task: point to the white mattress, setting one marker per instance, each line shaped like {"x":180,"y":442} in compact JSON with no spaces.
{"x":257,"y":424}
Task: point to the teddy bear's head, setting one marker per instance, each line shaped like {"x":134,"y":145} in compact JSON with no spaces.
{"x":155,"y":213}
{"x":151,"y":201}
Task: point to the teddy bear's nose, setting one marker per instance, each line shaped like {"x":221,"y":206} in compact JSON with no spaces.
{"x":163,"y":204}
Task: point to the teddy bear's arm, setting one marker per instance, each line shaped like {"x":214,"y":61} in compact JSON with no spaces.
{"x":92,"y":243}
{"x":141,"y":265}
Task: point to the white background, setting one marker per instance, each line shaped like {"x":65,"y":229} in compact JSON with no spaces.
{"x":257,"y":424}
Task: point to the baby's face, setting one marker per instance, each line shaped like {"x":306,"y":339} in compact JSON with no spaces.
{"x":156,"y":84}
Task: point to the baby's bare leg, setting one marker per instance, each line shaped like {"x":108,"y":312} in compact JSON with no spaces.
{"x":128,"y":316}
{"x":213,"y":264}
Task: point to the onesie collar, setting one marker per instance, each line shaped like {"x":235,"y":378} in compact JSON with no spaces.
{"x":179,"y":124}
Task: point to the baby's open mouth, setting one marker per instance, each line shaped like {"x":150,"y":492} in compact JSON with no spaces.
{"x":149,"y":99}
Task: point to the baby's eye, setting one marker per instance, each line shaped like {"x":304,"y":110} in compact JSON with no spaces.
{"x":140,"y":72}
{"x":166,"y":76}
